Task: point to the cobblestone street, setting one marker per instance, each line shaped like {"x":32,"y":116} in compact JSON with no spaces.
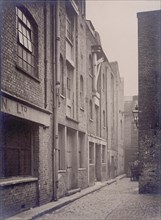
{"x":119,"y":201}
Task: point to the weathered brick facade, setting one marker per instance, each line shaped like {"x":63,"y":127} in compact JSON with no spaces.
{"x":23,"y":98}
{"x":149,"y":36}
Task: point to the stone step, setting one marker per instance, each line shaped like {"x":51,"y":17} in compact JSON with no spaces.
{"x":72,"y":191}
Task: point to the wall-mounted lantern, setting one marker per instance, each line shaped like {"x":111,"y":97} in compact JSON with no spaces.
{"x":135,"y":115}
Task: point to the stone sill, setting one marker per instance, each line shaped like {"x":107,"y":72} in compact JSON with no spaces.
{"x":72,"y":119}
{"x":62,"y":171}
{"x":62,"y":96}
{"x":81,"y":169}
{"x":16,"y":180}
{"x":82,"y":109}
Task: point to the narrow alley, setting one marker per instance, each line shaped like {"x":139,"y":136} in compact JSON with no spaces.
{"x":119,"y":200}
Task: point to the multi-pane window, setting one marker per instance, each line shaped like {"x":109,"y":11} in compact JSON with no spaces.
{"x":26,"y":43}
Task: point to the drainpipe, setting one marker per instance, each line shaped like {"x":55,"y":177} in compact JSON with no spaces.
{"x":56,"y":84}
{"x":45,"y":57}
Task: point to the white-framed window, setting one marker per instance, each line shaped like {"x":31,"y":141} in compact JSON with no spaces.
{"x":26,"y":42}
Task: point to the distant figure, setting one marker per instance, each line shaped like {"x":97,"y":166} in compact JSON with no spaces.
{"x":134,"y":168}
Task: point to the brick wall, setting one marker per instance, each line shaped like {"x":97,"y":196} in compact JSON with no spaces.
{"x":149,"y":100}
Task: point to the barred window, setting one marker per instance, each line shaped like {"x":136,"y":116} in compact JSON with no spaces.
{"x":26,"y":42}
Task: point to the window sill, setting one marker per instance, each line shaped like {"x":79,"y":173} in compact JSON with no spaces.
{"x":72,"y":119}
{"x":69,"y":41}
{"x":28,"y":74}
{"x":81,"y":169}
{"x":91,"y":164}
{"x":62,"y":96}
{"x":62,"y":171}
{"x":16,"y":180}
{"x":82,"y":109}
{"x":91,"y":75}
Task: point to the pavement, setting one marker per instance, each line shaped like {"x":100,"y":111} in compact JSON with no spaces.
{"x":118,"y":201}
{"x":36,"y":212}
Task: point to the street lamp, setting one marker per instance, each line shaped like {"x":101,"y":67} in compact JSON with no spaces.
{"x":135,"y":115}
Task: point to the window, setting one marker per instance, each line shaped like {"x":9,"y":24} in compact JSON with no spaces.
{"x":61,"y":76}
{"x":81,"y":92}
{"x":90,"y":65}
{"x":91,"y":153}
{"x":70,"y":72}
{"x":81,"y":150}
{"x":69,"y":25}
{"x":16,"y":150}
{"x":61,"y":148}
{"x":91,"y":109}
{"x":104,"y":119}
{"x":103,"y":154}
{"x":26,"y":42}
{"x":97,"y":120}
{"x":104,"y":82}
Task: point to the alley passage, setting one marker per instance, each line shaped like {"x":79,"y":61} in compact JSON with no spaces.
{"x":119,"y":201}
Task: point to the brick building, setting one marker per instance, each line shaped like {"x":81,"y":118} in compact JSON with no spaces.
{"x":26,"y":167}
{"x":61,"y":105}
{"x":131,"y":131}
{"x":149,"y":46}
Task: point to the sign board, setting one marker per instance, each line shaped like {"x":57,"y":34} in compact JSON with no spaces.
{"x":23,"y":111}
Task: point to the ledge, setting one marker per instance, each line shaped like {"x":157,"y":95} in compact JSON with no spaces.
{"x":28,"y":74}
{"x":16,"y":180}
{"x":91,"y":120}
{"x":82,"y":109}
{"x":62,"y":171}
{"x":72,"y":119}
{"x":25,"y":102}
{"x":62,"y":96}
{"x":81,"y":169}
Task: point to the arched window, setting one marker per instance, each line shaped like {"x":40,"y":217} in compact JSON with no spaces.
{"x":26,"y":42}
{"x":81,"y":91}
{"x":91,"y":109}
{"x":61,"y":76}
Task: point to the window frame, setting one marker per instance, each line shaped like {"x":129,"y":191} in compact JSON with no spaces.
{"x":27,"y":47}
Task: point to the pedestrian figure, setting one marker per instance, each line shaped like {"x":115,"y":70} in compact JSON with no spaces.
{"x":134,"y":169}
